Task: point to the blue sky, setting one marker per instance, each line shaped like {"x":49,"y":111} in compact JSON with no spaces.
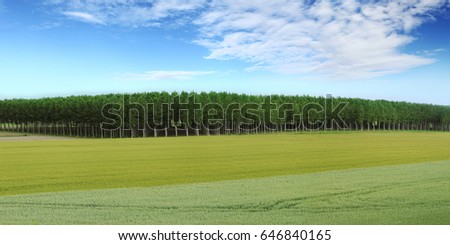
{"x":395,"y":50}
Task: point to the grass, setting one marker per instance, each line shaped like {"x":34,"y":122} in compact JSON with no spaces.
{"x":49,"y":166}
{"x":351,"y":178}
{"x":402,"y":194}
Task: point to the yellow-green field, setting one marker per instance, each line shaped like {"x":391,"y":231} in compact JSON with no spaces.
{"x":313,"y":178}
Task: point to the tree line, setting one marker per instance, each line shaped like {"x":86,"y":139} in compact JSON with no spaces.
{"x":157,"y":114}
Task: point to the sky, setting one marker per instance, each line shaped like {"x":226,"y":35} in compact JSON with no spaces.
{"x":395,"y":50}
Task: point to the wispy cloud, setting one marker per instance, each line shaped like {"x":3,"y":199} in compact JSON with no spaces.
{"x":164,"y":75}
{"x":85,"y":17}
{"x":345,"y":39}
{"x":45,"y":26}
{"x":431,"y":52}
{"x":2,"y":6}
{"x":134,"y":13}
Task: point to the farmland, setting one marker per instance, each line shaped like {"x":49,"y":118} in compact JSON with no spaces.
{"x":290,"y":178}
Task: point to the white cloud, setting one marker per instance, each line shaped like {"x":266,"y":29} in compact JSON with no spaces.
{"x":345,"y":39}
{"x":85,"y":17}
{"x":165,"y":75}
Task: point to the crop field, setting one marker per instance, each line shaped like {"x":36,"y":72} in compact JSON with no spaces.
{"x":311,"y":178}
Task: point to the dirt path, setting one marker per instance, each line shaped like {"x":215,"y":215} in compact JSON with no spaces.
{"x":33,"y":138}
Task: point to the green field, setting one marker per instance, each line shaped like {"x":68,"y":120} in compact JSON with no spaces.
{"x":313,"y":178}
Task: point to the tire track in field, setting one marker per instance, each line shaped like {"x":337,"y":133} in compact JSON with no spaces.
{"x":342,"y":200}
